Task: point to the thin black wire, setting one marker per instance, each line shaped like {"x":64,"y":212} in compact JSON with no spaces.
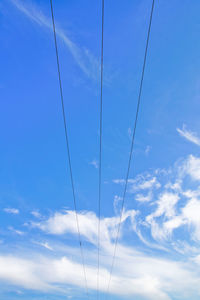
{"x":100,"y":147}
{"x":68,"y":149}
{"x":132,"y":144}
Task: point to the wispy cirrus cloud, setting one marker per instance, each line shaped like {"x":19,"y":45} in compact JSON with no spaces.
{"x":34,"y":274}
{"x":141,"y":186}
{"x":189,"y":135}
{"x":141,"y":182}
{"x":82,"y":56}
{"x":173,"y":206}
{"x":136,"y":274}
{"x":65,"y":223}
{"x":43,"y":244}
{"x":16,"y":231}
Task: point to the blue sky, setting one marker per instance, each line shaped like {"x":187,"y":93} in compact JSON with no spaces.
{"x":158,"y":255}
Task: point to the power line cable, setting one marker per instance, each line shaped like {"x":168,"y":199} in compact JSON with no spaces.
{"x":100,"y":149}
{"x":132,"y":143}
{"x":68,"y":148}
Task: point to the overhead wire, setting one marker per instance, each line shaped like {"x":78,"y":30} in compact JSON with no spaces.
{"x":68,"y":148}
{"x":100,"y":149}
{"x":132,"y":144}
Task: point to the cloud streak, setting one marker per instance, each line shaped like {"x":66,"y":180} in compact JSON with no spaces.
{"x":189,"y":135}
{"x":83,"y":57}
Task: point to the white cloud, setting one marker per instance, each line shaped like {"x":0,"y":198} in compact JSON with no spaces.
{"x":117,"y":200}
{"x":22,"y":272}
{"x":119,"y":181}
{"x":143,"y":198}
{"x":129,"y":133}
{"x":190,"y":215}
{"x":136,"y":275}
{"x":44,"y":244}
{"x":19,"y":232}
{"x":192,"y":167}
{"x":36,"y":214}
{"x":62,"y":223}
{"x":189,"y":135}
{"x":174,"y":204}
{"x":147,"y":149}
{"x":165,"y":205}
{"x":140,"y":182}
{"x":173,"y":223}
{"x":169,"y":205}
{"x":175,"y":186}
{"x":65,"y":223}
{"x":13,"y":211}
{"x":83,"y":57}
{"x":94,"y":163}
